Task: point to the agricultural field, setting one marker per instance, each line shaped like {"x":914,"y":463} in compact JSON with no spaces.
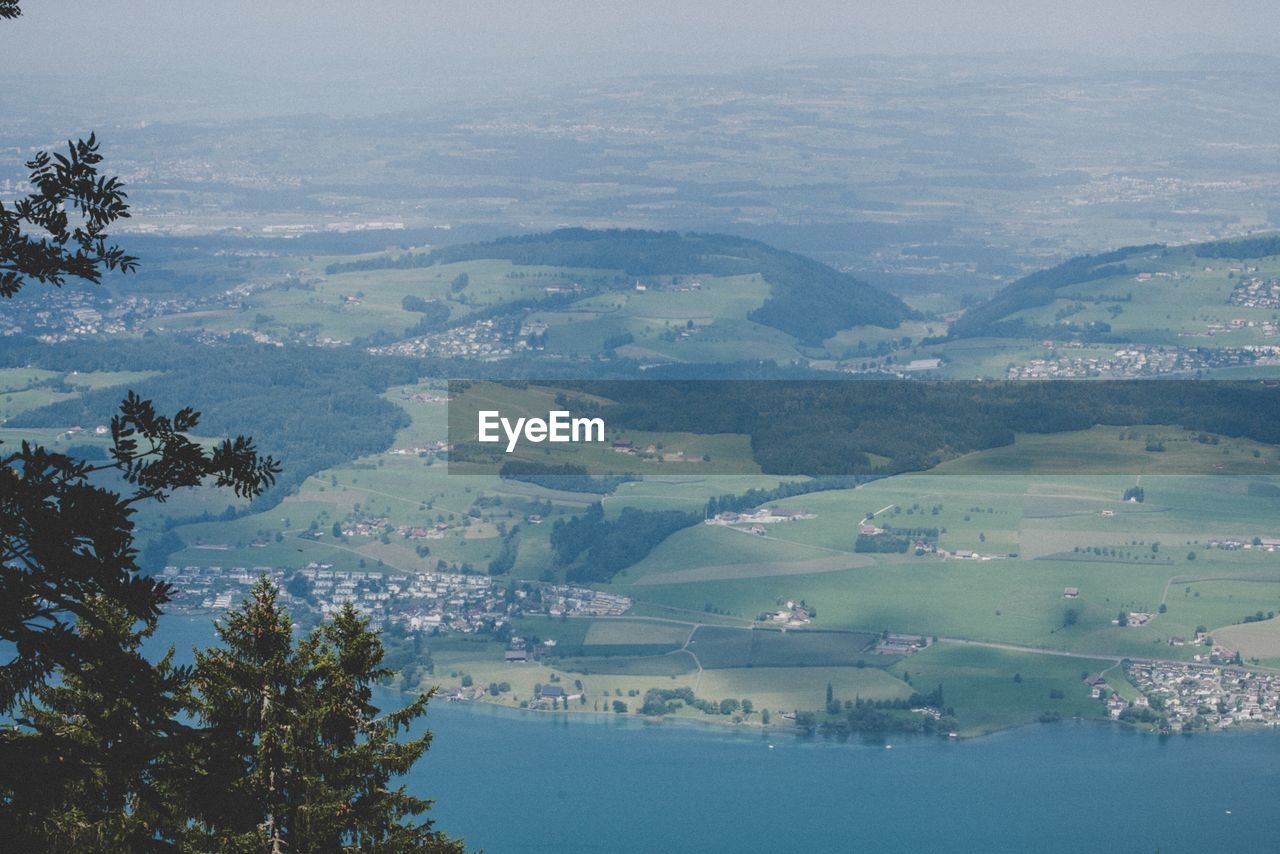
{"x":1112,"y":450}
{"x":780,"y":688}
{"x":24,"y":389}
{"x":1042,"y":532}
{"x":1008,"y":532}
{"x":1260,"y":640}
{"x":1168,"y":298}
{"x":670,"y":324}
{"x":993,"y":689}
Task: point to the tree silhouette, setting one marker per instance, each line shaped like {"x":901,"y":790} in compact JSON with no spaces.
{"x":297,"y":757}
{"x":104,"y":750}
{"x":59,"y":230}
{"x":96,"y":727}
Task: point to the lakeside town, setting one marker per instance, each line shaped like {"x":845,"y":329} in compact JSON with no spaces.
{"x":430,"y":601}
{"x":1181,"y":697}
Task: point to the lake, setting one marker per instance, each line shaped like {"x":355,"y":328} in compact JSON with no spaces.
{"x":512,"y":781}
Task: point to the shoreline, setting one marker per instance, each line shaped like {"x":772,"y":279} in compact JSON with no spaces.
{"x":710,"y":723}
{"x":729,"y":727}
{"x":714,"y":727}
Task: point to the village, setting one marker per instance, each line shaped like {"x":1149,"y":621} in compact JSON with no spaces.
{"x":484,"y":339}
{"x":55,"y":318}
{"x":428,"y":601}
{"x":1138,"y":361}
{"x":1254,"y":292}
{"x":1180,"y":697}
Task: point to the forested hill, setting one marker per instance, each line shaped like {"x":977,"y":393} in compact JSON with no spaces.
{"x":808,"y":299}
{"x":310,"y":407}
{"x":1040,"y":288}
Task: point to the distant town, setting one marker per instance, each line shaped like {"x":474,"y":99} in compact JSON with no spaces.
{"x":1138,"y":361}
{"x":421,"y":601}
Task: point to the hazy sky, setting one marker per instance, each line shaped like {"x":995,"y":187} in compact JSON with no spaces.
{"x":465,"y":47}
{"x":262,"y":32}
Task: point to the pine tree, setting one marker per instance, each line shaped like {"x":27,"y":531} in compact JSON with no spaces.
{"x":296,"y":757}
{"x":101,"y":749}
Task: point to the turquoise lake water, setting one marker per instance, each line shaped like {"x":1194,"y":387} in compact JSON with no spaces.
{"x":515,"y":782}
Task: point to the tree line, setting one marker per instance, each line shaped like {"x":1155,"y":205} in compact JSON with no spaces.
{"x":315,"y":408}
{"x":595,"y":549}
{"x":829,"y":428}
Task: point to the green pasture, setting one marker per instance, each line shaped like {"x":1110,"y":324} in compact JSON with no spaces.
{"x":979,"y":683}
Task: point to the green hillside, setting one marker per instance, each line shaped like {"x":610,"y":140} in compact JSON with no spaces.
{"x":806,"y":299}
{"x":1218,"y":294}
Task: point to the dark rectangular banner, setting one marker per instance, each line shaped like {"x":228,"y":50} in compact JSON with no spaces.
{"x":861,"y":428}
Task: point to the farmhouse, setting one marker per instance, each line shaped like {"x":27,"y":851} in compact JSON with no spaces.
{"x":898,"y":644}
{"x":516,"y":655}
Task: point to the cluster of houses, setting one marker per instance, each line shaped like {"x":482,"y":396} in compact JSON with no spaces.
{"x":564,"y":599}
{"x":422,"y":601}
{"x":1159,"y":274}
{"x":67,"y":315}
{"x":1139,"y":361}
{"x":76,"y":314}
{"x":792,"y":613}
{"x":673,"y":284}
{"x":1187,"y":696}
{"x":1266,"y":544}
{"x":968,"y":554}
{"x":652,"y":453}
{"x":1267,"y":327}
{"x":213,"y":588}
{"x":1255,"y":292}
{"x":484,"y":339}
{"x":921,"y":545}
{"x":425,"y":397}
{"x":423,"y":532}
{"x":438,"y":448}
{"x":753,"y":521}
{"x":891,"y":643}
{"x":373,"y":526}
